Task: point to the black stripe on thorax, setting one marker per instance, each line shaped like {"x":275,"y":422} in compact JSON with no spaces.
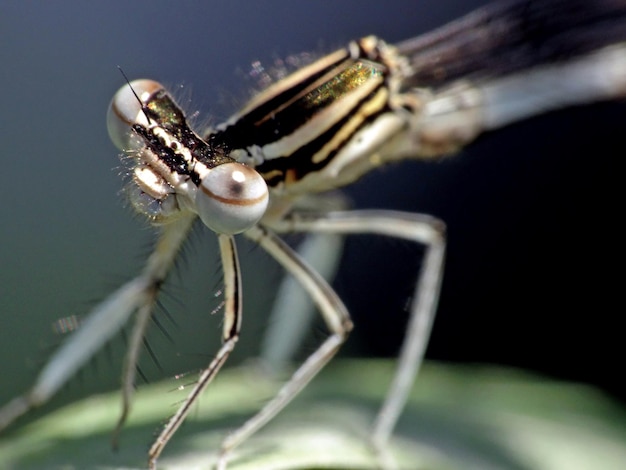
{"x":284,"y":111}
{"x":300,"y":163}
{"x":247,"y":131}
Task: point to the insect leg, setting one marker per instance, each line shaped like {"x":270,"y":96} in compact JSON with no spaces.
{"x":335,"y":315}
{"x":230,"y":335}
{"x":418,"y":228}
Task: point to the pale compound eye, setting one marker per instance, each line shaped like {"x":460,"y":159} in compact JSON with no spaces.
{"x":231,"y":198}
{"x":125,"y":111}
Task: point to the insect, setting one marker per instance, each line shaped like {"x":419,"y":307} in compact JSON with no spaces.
{"x":320,"y":129}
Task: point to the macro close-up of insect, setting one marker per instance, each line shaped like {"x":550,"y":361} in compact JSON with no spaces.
{"x":265,"y":175}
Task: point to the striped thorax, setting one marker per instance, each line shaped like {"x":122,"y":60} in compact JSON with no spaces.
{"x":323,"y":126}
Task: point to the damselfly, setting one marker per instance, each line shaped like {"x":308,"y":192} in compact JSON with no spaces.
{"x":319,"y":129}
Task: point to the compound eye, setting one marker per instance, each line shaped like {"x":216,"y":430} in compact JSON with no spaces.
{"x":125,"y":111}
{"x":231,"y":198}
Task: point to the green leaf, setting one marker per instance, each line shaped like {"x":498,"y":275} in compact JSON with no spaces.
{"x":457,"y":418}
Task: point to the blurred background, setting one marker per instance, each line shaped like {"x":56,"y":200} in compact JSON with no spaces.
{"x":532,"y":211}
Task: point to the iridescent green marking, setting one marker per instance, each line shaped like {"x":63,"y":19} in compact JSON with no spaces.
{"x":353,"y":77}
